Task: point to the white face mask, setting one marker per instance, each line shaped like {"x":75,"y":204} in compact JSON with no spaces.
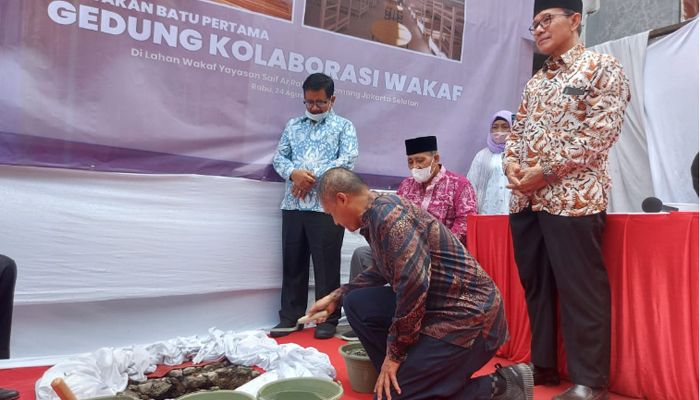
{"x":422,"y":175}
{"x":499,"y":137}
{"x":316,"y":117}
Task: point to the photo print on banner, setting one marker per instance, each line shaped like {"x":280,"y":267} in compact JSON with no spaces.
{"x":274,"y":8}
{"x":429,"y":27}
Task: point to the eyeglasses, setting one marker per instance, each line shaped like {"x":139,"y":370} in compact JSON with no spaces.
{"x":317,"y":103}
{"x":545,"y":22}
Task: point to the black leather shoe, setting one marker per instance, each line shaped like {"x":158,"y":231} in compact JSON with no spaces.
{"x":545,"y":376}
{"x":324,"y":331}
{"x":581,"y":392}
{"x":8,"y":394}
{"x":285,"y":328}
{"x":518,"y":379}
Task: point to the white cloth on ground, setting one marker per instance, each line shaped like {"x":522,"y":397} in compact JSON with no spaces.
{"x":106,"y":371}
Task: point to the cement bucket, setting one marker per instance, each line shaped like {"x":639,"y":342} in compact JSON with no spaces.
{"x":217,"y":395}
{"x":306,"y":388}
{"x":361,"y":371}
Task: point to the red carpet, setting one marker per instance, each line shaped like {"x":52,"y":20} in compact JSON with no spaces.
{"x":23,"y":379}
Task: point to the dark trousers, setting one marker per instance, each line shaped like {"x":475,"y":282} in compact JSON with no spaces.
{"x":8,"y":276}
{"x":304,"y":234}
{"x":360,"y":261}
{"x":433,"y":369}
{"x":562,"y":256}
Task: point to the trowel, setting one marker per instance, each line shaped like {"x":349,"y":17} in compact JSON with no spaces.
{"x":301,"y":321}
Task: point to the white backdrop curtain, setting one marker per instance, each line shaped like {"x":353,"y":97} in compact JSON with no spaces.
{"x":629,"y":163}
{"x":671,"y":108}
{"x":659,"y":137}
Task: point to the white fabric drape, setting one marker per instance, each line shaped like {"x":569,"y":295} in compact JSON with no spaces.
{"x":83,"y":236}
{"x":671,"y":107}
{"x":629,"y":163}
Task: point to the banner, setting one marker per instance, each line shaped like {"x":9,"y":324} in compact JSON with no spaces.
{"x":205,"y":87}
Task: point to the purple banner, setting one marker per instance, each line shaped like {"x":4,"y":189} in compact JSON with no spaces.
{"x":205,"y":87}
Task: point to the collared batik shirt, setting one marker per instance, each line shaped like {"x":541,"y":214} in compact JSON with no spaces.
{"x":441,"y":291}
{"x":570,"y":116}
{"x":317,"y":147}
{"x":449,"y":197}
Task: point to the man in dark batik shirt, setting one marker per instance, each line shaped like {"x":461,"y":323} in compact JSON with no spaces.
{"x":440,"y":319}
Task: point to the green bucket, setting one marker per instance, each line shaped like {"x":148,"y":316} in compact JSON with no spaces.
{"x":361,"y":371}
{"x":305,"y":388}
{"x":217,"y":395}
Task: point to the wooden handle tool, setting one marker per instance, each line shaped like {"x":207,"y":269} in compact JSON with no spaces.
{"x":62,"y":390}
{"x":310,"y":318}
{"x":301,"y":321}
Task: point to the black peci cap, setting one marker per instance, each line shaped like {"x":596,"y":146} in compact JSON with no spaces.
{"x":575,"y":5}
{"x":421,"y":145}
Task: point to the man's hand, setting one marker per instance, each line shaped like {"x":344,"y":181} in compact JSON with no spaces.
{"x":298,"y":192}
{"x":328,"y":303}
{"x":387,"y":379}
{"x":303,"y":179}
{"x":513,"y":174}
{"x":531,"y":179}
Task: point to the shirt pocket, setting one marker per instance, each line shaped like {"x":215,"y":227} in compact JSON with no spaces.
{"x":575,"y":94}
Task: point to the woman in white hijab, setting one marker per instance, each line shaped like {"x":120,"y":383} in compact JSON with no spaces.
{"x":486,"y":173}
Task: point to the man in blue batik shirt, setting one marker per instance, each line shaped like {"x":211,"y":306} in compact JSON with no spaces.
{"x":311,"y":145}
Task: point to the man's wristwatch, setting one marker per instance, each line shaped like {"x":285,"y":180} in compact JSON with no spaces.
{"x":549,"y":175}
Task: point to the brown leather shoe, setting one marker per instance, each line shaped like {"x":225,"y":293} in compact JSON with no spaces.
{"x":545,"y":376}
{"x":581,"y":392}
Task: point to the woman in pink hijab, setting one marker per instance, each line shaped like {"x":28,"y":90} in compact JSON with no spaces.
{"x":486,"y":173}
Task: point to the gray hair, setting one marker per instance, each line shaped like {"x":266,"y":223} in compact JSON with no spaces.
{"x":569,"y":12}
{"x":339,"y":180}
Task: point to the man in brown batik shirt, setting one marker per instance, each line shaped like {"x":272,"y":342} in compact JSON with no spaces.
{"x":556,"y":161}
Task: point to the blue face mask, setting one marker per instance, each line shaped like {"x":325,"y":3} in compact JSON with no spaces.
{"x":316,"y":117}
